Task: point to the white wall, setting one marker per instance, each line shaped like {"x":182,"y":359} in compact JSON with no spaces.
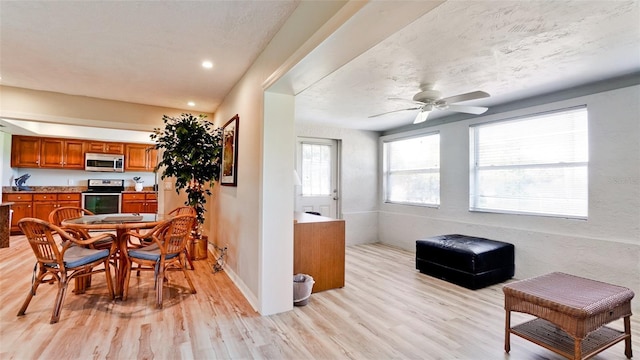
{"x":604,"y":247}
{"x":358,"y":177}
{"x":249,"y":219}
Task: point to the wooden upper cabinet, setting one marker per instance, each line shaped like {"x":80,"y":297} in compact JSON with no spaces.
{"x":102,"y":147}
{"x":74,"y":154}
{"x":25,"y":151}
{"x":140,"y":157}
{"x":61,"y":153}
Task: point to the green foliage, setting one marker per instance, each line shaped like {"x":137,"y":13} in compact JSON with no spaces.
{"x":192,"y":155}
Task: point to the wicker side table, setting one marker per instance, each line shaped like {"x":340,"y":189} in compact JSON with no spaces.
{"x":571,"y":313}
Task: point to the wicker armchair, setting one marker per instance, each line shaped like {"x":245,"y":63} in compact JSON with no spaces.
{"x":69,"y":212}
{"x":161,"y":250}
{"x":186,"y":210}
{"x":62,"y":263}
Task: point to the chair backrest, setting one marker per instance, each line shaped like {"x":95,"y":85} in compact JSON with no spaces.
{"x":183,"y":210}
{"x":67,"y":212}
{"x":174,"y":233}
{"x":40,"y":235}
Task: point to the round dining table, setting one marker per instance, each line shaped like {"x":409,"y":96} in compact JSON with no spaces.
{"x":121,"y":223}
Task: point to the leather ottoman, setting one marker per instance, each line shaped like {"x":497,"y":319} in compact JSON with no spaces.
{"x":467,"y":261}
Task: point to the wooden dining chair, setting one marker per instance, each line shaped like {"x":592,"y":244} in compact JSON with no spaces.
{"x":160,"y":250}
{"x":69,"y":212}
{"x":61,"y":263}
{"x":186,"y":210}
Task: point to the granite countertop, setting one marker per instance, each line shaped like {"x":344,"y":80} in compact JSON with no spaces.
{"x":60,"y":189}
{"x":6,"y":203}
{"x":43,"y":189}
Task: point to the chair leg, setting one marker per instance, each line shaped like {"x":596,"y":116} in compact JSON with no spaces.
{"x":57,"y":309}
{"x":127,"y":276}
{"x":107,"y":272}
{"x":159,"y":286}
{"x":188,"y":256}
{"x":32,"y":292}
{"x":186,"y":275}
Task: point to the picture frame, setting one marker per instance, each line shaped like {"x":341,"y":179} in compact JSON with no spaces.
{"x":229,"y":168}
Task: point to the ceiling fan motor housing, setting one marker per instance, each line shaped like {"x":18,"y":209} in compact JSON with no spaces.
{"x":427,"y":96}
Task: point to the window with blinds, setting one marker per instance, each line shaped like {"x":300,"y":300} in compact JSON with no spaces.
{"x":412,"y":170}
{"x":533,"y":165}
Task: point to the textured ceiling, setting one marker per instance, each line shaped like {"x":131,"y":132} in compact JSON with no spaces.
{"x":150,"y":52}
{"x":147,"y":52}
{"x":510,"y":49}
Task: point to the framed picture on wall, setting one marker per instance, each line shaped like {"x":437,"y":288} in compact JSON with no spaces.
{"x":229,"y":175}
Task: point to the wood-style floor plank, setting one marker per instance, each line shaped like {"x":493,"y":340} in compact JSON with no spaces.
{"x":387,"y":310}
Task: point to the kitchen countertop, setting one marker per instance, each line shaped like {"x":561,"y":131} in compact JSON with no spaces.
{"x":60,"y":189}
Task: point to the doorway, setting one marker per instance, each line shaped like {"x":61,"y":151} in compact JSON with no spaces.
{"x":318,"y":167}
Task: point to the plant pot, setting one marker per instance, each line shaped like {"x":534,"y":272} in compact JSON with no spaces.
{"x":199,"y":247}
{"x":139,"y":186}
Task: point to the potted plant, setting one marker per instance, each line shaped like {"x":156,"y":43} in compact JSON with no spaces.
{"x":191,"y":154}
{"x":138,"y":183}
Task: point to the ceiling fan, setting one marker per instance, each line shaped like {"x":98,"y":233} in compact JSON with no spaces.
{"x":429,"y":99}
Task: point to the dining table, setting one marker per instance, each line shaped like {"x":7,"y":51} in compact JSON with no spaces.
{"x":122,"y":223}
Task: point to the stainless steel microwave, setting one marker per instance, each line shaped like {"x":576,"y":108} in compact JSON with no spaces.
{"x":104,"y":162}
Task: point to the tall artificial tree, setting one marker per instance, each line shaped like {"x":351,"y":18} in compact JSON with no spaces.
{"x":192,"y":150}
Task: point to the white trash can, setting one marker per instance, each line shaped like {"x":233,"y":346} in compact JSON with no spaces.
{"x":302,"y":287}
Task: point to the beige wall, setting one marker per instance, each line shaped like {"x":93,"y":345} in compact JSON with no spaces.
{"x":44,"y":106}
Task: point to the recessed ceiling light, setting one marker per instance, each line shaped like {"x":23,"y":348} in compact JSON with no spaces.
{"x":191,"y":103}
{"x":207,"y":64}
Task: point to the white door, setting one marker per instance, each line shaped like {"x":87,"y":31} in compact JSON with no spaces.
{"x":317,"y":166}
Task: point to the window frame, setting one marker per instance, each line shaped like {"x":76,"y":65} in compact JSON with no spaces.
{"x":473,"y":168}
{"x":386,"y":166}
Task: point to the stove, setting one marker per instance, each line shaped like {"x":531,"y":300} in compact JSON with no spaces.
{"x":103,"y":196}
{"x":105,"y":186}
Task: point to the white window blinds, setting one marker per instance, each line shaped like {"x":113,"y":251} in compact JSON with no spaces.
{"x":532,"y":165}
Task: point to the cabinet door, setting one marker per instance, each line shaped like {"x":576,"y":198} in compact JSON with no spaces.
{"x":137,"y":157}
{"x":51,"y":153}
{"x":25,"y":151}
{"x":114,"y":148}
{"x":74,"y":154}
{"x":43,"y":205}
{"x":151,"y":205}
{"x":102,"y":147}
{"x":21,"y":208}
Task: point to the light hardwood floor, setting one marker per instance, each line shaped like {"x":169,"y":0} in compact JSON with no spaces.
{"x":387,"y":310}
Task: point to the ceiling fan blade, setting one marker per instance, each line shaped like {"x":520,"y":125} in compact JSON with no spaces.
{"x":464,"y":97}
{"x":477,"y":110}
{"x":421,"y":117}
{"x":392,"y":111}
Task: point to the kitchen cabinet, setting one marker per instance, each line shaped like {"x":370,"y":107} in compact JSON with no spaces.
{"x":61,"y":153}
{"x":22,"y":207}
{"x":38,"y":205}
{"x":140,"y":157}
{"x":139,"y":202}
{"x":102,"y":147}
{"x":35,"y":152}
{"x":45,"y":203}
{"x":25,"y":151}
{"x":319,"y":250}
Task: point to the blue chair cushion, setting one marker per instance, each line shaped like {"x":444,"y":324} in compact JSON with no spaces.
{"x":78,"y":256}
{"x":151,"y":252}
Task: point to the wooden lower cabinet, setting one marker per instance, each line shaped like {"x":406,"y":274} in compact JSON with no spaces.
{"x":319,"y":250}
{"x":22,"y":207}
{"x":38,"y":205}
{"x":139,"y":202}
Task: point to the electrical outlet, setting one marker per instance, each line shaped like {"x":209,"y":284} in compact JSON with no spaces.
{"x":168,"y":185}
{"x":71,"y":182}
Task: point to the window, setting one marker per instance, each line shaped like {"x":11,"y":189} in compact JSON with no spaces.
{"x":316,"y":169}
{"x":412,"y":170}
{"x":532,"y":165}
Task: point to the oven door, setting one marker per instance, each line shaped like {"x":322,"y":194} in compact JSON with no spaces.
{"x":102,"y":203}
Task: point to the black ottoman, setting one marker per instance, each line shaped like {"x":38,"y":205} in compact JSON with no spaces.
{"x":468,"y":261}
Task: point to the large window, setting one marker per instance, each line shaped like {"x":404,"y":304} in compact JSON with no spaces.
{"x":532,"y":165}
{"x":412,"y":170}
